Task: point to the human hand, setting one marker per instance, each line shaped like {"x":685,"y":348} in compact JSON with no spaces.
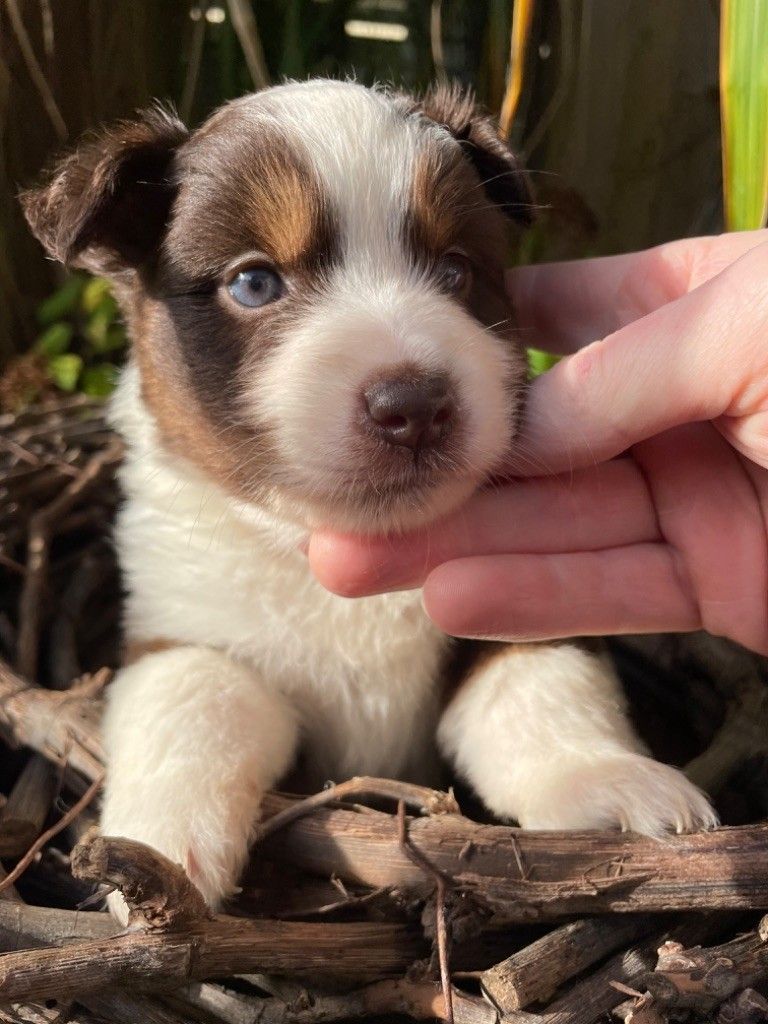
{"x":670,"y":536}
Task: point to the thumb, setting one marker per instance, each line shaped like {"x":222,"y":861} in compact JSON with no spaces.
{"x":701,"y":357}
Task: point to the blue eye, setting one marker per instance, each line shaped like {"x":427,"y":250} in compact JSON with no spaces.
{"x":256,"y":287}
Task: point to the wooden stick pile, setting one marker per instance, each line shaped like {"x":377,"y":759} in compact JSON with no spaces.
{"x":371,"y":899}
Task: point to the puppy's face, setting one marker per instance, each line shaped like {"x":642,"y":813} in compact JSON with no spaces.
{"x":313,"y":280}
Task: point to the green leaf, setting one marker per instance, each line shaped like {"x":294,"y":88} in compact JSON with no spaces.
{"x":55,"y":340}
{"x":65,"y":371}
{"x":744,"y":111}
{"x":100,"y":324}
{"x":95,"y":292}
{"x":62,"y":303}
{"x":539,"y":362}
{"x":99,"y":381}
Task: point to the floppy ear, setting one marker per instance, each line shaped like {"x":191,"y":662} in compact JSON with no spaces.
{"x":104,"y":207}
{"x":504,"y":181}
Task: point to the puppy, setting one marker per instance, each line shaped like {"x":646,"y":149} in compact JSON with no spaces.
{"x":313,"y":282}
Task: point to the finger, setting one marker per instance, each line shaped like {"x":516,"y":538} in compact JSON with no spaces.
{"x":604,"y":506}
{"x":634,"y":589}
{"x":697,"y":358}
{"x":709,"y":512}
{"x":562,"y":306}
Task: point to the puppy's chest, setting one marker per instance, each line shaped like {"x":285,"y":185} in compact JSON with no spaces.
{"x":364,"y":676}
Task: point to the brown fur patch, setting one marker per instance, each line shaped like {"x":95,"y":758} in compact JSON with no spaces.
{"x":474,"y":657}
{"x":134,"y":650}
{"x":241,"y":192}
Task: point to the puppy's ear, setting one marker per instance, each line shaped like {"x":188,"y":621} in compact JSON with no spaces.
{"x":504,"y":181}
{"x":104,"y":207}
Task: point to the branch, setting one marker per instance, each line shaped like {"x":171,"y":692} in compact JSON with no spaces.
{"x":158,"y":892}
{"x":518,"y":875}
{"x":417,"y":1000}
{"x":198,"y":947}
{"x":534,"y":973}
{"x":700,"y":979}
{"x":522,"y":876}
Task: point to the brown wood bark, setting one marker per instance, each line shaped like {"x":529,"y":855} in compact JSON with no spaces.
{"x":524,"y":876}
{"x":534,"y":973}
{"x":589,"y":1000}
{"x":519,"y":875}
{"x":700,"y":979}
{"x":216,"y":948}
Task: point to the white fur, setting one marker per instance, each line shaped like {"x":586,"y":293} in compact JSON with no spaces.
{"x":359,"y":329}
{"x":542,"y":735}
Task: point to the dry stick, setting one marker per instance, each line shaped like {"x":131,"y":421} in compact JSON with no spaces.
{"x":441,"y":930}
{"x":27,"y":808}
{"x":35,"y":71}
{"x":159,"y":893}
{"x":17,"y":1014}
{"x":419,"y":1000}
{"x":247,"y":31}
{"x":202,"y":948}
{"x":701,"y":978}
{"x":50,"y":833}
{"x":22,"y":925}
{"x":589,"y":1000}
{"x":63,"y":726}
{"x":639,"y":1009}
{"x":32,"y":795}
{"x":534,"y":973}
{"x":564,"y":873}
{"x":38,"y":550}
{"x":426,"y":801}
{"x":124,"y":1008}
{"x":723,"y":869}
{"x":224,"y":946}
{"x":748,"y":1007}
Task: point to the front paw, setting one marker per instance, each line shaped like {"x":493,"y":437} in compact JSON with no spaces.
{"x":209,"y":840}
{"x":626,"y":790}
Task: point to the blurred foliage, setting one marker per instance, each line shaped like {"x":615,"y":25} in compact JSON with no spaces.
{"x":80,"y":345}
{"x":744,"y":100}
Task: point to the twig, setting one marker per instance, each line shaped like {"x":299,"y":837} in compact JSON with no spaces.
{"x":35,"y":71}
{"x":158,"y":892}
{"x":22,"y":925}
{"x":436,"y":40}
{"x":441,"y":929}
{"x":532,"y":974}
{"x":193,"y":65}
{"x":429,"y":801}
{"x":45,"y":837}
{"x":702,"y":978}
{"x":419,"y":1000}
{"x":224,"y":946}
{"x":40,"y":532}
{"x":247,"y":31}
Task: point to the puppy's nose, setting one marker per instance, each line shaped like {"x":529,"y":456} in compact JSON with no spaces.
{"x":412,"y":411}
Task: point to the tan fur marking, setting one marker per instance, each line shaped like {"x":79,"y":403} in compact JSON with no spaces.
{"x":136,"y":649}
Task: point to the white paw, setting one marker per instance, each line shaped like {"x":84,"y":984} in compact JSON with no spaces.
{"x":626,"y":790}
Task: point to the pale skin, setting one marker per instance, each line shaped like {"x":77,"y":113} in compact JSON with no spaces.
{"x":640,"y":494}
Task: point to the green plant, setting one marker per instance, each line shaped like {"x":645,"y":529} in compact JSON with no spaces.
{"x":744,"y":105}
{"x":82,"y":339}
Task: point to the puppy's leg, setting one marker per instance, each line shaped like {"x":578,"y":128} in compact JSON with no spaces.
{"x":193,"y":740}
{"x":540,"y":732}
